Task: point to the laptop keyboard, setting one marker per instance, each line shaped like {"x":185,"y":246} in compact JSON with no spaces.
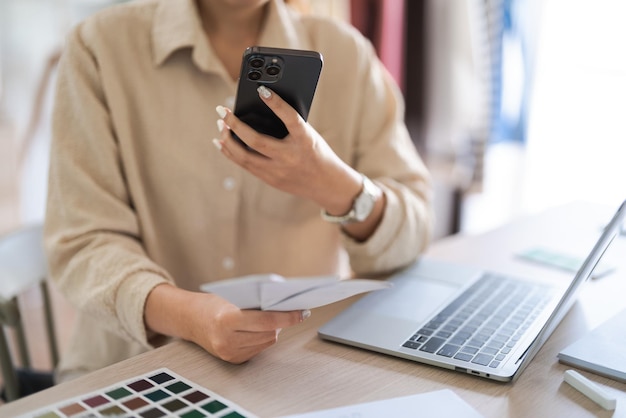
{"x":484,"y":323}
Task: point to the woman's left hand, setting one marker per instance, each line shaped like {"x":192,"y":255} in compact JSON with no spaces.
{"x":302,"y":163}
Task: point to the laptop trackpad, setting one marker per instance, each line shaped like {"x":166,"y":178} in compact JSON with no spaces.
{"x":427,"y":296}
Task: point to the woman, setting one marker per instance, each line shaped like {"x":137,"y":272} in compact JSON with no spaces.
{"x":142,"y":209}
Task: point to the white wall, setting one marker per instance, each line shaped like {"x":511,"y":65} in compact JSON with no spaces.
{"x":31,"y":31}
{"x":576,"y":144}
{"x":577,"y":136}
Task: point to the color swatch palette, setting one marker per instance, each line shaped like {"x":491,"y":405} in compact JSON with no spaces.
{"x":160,"y":393}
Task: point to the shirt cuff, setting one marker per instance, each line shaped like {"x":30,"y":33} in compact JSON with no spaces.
{"x":364,"y":254}
{"x":131,"y":302}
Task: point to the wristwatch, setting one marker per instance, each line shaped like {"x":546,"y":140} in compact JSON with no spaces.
{"x":361,"y":207}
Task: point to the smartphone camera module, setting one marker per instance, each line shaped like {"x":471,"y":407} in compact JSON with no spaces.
{"x":264,"y":68}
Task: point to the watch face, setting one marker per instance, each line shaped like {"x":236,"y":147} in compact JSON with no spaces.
{"x":363,"y":208}
{"x":365,"y":202}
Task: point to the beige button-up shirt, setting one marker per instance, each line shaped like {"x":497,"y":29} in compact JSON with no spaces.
{"x":139,"y":196}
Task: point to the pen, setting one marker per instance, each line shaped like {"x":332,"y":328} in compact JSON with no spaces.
{"x":590,"y":389}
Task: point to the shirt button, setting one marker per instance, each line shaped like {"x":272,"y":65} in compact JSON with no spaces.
{"x":229,"y":183}
{"x":228,"y":263}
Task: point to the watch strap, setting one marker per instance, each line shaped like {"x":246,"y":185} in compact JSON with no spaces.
{"x":352,"y":215}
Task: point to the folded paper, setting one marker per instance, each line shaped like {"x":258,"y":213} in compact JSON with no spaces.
{"x":271,"y":292}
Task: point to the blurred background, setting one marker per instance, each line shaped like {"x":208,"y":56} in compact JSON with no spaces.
{"x":515,"y":105}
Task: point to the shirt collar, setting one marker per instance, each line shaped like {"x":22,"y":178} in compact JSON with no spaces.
{"x":177,"y":25}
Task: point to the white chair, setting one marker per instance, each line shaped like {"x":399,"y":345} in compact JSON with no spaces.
{"x":22,"y":266}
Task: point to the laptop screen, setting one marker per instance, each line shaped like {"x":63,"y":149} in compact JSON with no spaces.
{"x":608,"y":235}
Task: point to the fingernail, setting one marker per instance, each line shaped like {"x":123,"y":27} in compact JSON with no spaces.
{"x":220,"y":124}
{"x":305,"y":314}
{"x":221,"y":110}
{"x":217,"y":144}
{"x":278,"y":331}
{"x":264,"y":92}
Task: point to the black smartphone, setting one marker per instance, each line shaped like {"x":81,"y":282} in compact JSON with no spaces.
{"x":292,"y":74}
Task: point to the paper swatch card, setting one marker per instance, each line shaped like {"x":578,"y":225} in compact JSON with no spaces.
{"x":160,"y":393}
{"x":567,"y":262}
{"x":271,"y":292}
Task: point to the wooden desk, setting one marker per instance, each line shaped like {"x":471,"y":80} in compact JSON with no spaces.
{"x":304,"y":373}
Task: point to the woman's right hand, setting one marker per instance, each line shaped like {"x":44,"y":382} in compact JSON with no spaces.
{"x":218,"y":326}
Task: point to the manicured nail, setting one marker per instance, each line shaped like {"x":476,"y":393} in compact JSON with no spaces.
{"x":221,"y":110}
{"x":305,"y":314}
{"x":264,"y":92}
{"x":217,"y":144}
{"x":220,"y":124}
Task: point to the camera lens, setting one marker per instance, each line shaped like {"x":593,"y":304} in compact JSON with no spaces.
{"x":254,"y":75}
{"x":272,"y":70}
{"x":257,"y":62}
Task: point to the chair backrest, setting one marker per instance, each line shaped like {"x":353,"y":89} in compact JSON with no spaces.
{"x":22,"y":265}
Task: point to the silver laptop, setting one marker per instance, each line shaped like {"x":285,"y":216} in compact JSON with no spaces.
{"x":476,"y":322}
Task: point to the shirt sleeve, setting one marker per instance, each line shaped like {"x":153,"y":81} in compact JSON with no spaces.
{"x":386,"y":153}
{"x":92,"y":235}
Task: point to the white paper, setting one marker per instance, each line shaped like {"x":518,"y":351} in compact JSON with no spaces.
{"x":271,"y":292}
{"x":245,"y":292}
{"x":441,"y":403}
{"x":279,"y":291}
